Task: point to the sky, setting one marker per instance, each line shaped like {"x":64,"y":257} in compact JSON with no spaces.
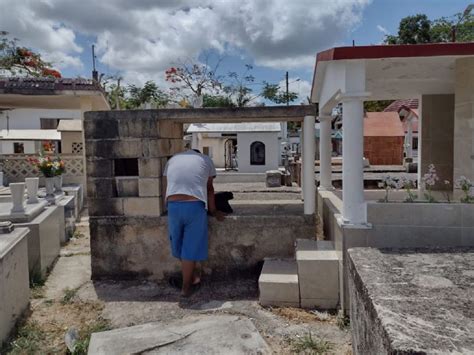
{"x":138,"y":40}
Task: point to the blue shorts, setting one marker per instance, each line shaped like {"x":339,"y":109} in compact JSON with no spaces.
{"x":187,"y":228}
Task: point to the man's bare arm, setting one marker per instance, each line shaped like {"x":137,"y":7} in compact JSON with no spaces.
{"x":211,"y":201}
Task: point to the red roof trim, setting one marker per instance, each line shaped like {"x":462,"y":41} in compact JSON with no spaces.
{"x":397,"y":51}
{"x":393,"y":51}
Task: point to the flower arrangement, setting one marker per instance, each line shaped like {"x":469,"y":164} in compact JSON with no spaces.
{"x":466,"y":186}
{"x":429,"y":180}
{"x":387,"y":183}
{"x":47,"y":166}
{"x":409,"y":185}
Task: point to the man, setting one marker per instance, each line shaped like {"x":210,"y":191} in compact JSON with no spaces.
{"x":189,"y":193}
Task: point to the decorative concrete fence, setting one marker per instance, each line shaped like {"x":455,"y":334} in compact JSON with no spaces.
{"x":16,"y":168}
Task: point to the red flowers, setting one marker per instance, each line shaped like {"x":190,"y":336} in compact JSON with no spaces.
{"x":173,"y":74}
{"x":51,"y":72}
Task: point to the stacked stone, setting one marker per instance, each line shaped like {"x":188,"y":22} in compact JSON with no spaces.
{"x":111,"y":136}
{"x":128,"y":136}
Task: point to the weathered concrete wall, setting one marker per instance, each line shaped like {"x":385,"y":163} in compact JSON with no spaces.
{"x":411,"y":301}
{"x":138,"y":247}
{"x":437,"y":136}
{"x":14,"y":282}
{"x":464,"y":118}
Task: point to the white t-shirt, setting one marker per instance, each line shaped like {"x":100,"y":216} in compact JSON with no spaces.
{"x":187,"y":173}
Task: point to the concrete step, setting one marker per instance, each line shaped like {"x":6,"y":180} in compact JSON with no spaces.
{"x":318,"y":273}
{"x":278,"y":283}
{"x":267,"y":207}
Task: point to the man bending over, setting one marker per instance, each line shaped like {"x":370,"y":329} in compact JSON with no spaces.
{"x":189,"y":193}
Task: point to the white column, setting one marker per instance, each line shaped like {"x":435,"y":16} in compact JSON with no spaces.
{"x":354,"y":207}
{"x":409,"y":149}
{"x":309,"y":181}
{"x":325,"y":153}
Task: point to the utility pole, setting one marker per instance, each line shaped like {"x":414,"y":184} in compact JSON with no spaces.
{"x":117,"y":98}
{"x":287,"y":91}
{"x":95,"y":74}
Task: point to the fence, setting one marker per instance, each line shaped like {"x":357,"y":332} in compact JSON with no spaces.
{"x":16,"y":168}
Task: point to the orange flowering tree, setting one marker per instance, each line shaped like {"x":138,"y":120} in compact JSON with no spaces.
{"x":21,"y":60}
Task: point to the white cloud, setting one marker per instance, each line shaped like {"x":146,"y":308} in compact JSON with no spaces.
{"x":54,"y":41}
{"x":382,"y":29}
{"x":142,"y":38}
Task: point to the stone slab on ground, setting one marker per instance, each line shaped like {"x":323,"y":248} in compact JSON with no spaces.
{"x":70,"y":272}
{"x":204,"y":334}
{"x":412,"y":300}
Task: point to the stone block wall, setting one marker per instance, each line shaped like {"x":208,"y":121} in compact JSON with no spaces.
{"x":126,"y":152}
{"x":139,"y":143}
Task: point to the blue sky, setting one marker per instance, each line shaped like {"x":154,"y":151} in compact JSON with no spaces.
{"x":139,"y":39}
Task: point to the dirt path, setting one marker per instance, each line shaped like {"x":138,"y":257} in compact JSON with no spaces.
{"x":69,"y":300}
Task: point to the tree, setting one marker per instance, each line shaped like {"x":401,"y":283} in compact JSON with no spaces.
{"x":149,"y":93}
{"x":238,"y":87}
{"x":376,"y":106}
{"x":274,"y":93}
{"x":419,"y":29}
{"x":21,"y":60}
{"x":412,"y":30}
{"x":217,"y":101}
{"x":194,"y":77}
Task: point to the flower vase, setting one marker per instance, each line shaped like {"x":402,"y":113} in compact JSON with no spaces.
{"x":49,"y":183}
{"x":58,"y":183}
{"x":18,"y":197}
{"x":32,"y":189}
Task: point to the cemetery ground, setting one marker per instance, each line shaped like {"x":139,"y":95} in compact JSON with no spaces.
{"x":69,"y":302}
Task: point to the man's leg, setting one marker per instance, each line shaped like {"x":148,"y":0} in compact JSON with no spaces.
{"x":188,"y":276}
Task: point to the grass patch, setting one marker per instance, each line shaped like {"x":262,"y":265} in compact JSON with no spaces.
{"x":342,"y":321}
{"x":81,"y":346}
{"x":69,"y":295}
{"x":27,"y":341}
{"x":310,"y":345}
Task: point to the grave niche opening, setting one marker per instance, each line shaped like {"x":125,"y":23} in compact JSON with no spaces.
{"x":126,"y":177}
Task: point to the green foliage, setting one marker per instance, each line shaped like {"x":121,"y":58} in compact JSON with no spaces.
{"x":419,"y":29}
{"x":149,"y":93}
{"x":274,"y":93}
{"x":376,"y":106}
{"x":28,"y":341}
{"x":217,"y":101}
{"x":310,"y":345}
{"x":69,"y":295}
{"x":134,"y":97}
